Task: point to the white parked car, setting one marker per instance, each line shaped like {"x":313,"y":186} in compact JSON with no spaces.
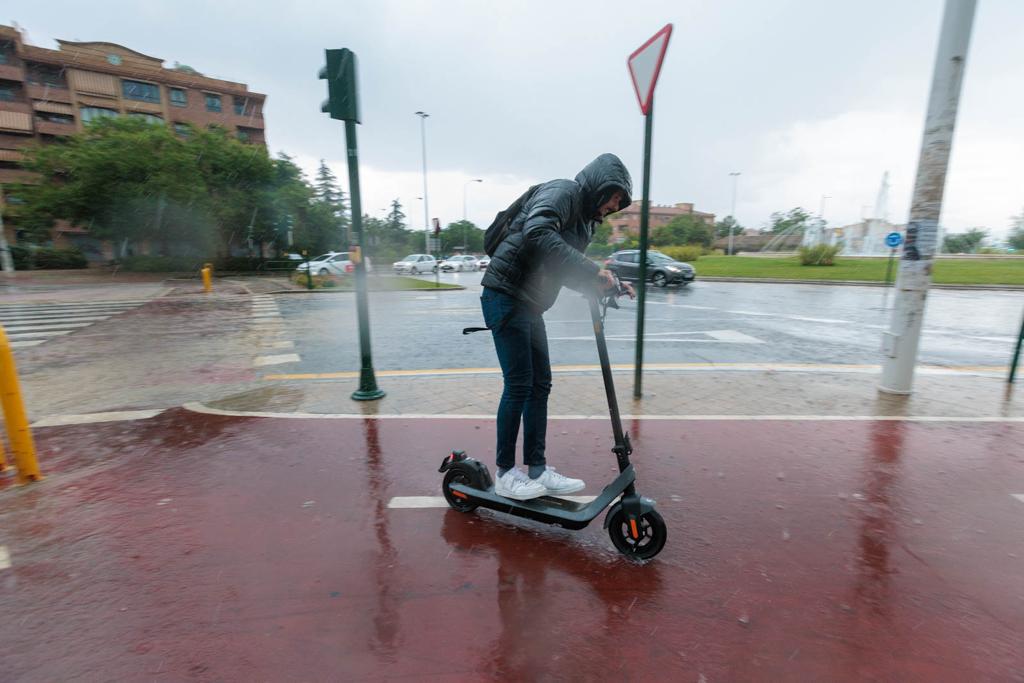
{"x":314,"y":263}
{"x":416,"y":263}
{"x":333,"y":263}
{"x":460,"y":263}
{"x":483,"y":262}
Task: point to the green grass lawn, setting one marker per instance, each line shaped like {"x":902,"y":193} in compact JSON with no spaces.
{"x":947,"y":271}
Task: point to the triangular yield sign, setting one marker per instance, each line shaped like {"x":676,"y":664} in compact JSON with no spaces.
{"x":645,"y":65}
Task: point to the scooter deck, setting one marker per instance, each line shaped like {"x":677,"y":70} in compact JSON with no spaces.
{"x":550,"y":509}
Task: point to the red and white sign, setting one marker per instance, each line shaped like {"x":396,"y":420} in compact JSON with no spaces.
{"x":645,"y":65}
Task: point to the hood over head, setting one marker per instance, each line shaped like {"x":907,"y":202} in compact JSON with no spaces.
{"x":601,"y":178}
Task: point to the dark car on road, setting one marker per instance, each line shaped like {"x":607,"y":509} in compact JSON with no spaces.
{"x":661,"y":270}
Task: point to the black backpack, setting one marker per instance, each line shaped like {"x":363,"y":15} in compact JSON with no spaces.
{"x":498,"y":230}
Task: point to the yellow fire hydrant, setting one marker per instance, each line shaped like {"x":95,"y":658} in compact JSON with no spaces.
{"x":207,"y":277}
{"x":18,"y":433}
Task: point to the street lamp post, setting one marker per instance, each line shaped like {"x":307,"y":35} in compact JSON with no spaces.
{"x":735,"y":181}
{"x":821,"y":215}
{"x":426,"y":210}
{"x":465,"y":186}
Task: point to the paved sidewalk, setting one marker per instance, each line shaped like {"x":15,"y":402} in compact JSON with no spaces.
{"x":837,"y":391}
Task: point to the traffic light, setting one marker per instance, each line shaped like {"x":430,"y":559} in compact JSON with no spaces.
{"x":340,"y":74}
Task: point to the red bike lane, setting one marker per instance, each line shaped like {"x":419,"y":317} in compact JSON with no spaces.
{"x":202,"y":547}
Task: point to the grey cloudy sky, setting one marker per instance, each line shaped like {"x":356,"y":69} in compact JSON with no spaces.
{"x":804,"y":97}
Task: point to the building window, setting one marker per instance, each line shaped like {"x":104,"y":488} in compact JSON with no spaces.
{"x":178,"y":97}
{"x":8,"y":93}
{"x":242,"y":135}
{"x":144,"y":92}
{"x":49,"y":117}
{"x":44,"y":74}
{"x":240,"y":105}
{"x":148,"y":118}
{"x":95,"y":113}
{"x":212,"y":102}
{"x":182,"y":129}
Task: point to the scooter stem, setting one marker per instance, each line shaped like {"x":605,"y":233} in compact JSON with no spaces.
{"x":622,"y":447}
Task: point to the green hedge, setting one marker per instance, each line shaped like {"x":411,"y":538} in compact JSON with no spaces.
{"x":42,"y":258}
{"x":819,"y":255}
{"x":687,"y":254}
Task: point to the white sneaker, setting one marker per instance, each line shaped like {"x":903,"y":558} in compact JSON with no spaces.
{"x":558,"y":484}
{"x":516,"y":485}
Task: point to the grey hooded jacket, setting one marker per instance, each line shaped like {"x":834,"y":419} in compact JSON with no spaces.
{"x":545,"y":245}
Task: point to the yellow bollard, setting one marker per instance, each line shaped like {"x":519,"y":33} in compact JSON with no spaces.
{"x":18,"y":433}
{"x":207,"y":279}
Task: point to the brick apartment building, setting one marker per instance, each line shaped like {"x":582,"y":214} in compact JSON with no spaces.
{"x":627,"y":222}
{"x":45,"y":94}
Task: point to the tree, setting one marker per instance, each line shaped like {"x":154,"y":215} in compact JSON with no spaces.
{"x":462,"y":234}
{"x":964,"y":243}
{"x":603,"y":233}
{"x":681,"y":230}
{"x":328,"y":193}
{"x":1016,"y":238}
{"x":126,"y":179}
{"x":794,"y":221}
{"x":722,"y":227}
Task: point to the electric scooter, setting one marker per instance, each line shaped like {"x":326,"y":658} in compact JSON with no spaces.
{"x":635,"y":527}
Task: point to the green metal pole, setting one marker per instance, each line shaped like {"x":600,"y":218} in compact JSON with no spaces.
{"x":1016,"y":354}
{"x":368,"y":390}
{"x":642,"y":294}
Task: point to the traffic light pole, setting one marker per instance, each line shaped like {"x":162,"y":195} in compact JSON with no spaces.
{"x":638,"y":366}
{"x":368,"y":390}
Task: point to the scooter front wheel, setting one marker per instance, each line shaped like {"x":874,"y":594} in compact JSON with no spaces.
{"x":457,"y":500}
{"x":642,"y":542}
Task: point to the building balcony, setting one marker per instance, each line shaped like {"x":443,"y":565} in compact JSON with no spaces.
{"x":251,"y":120}
{"x":12,"y":72}
{"x":48,"y":92}
{"x":51,"y":128}
{"x":23,"y":107}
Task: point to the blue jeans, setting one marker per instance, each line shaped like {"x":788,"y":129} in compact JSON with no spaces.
{"x":522,"y":345}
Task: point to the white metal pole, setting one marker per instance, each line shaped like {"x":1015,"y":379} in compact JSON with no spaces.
{"x":900,"y":343}
{"x":735,"y":181}
{"x":426,"y":210}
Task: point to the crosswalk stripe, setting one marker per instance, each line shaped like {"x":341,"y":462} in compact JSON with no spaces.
{"x":80,"y":304}
{"x":51,"y":320}
{"x":68,"y":309}
{"x":28,"y":335}
{"x":23,"y":344}
{"x":32,"y":328}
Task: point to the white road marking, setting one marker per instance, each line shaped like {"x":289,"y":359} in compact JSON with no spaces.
{"x":51,"y":319}
{"x":266,"y":316}
{"x":277,"y":359}
{"x":489,"y":417}
{"x":25,"y":344}
{"x":1018,"y":496}
{"x":28,"y":335}
{"x":440,"y":502}
{"x":5,"y":558}
{"x":47,"y":326}
{"x":279,"y":345}
{"x":91,"y":418}
{"x":720,"y":336}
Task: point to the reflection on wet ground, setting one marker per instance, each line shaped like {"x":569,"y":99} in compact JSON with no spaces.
{"x":221,"y":548}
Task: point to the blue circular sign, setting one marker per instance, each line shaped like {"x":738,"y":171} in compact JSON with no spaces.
{"x":894,"y":239}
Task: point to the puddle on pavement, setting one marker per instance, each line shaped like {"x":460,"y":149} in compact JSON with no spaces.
{"x":264,"y":399}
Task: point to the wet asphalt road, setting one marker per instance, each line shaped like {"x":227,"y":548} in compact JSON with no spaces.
{"x":707,"y":322}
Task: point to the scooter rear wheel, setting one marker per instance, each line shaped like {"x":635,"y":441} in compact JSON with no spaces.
{"x":454,"y":498}
{"x":651,"y":536}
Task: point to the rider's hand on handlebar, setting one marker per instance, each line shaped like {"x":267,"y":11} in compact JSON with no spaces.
{"x":612,"y":285}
